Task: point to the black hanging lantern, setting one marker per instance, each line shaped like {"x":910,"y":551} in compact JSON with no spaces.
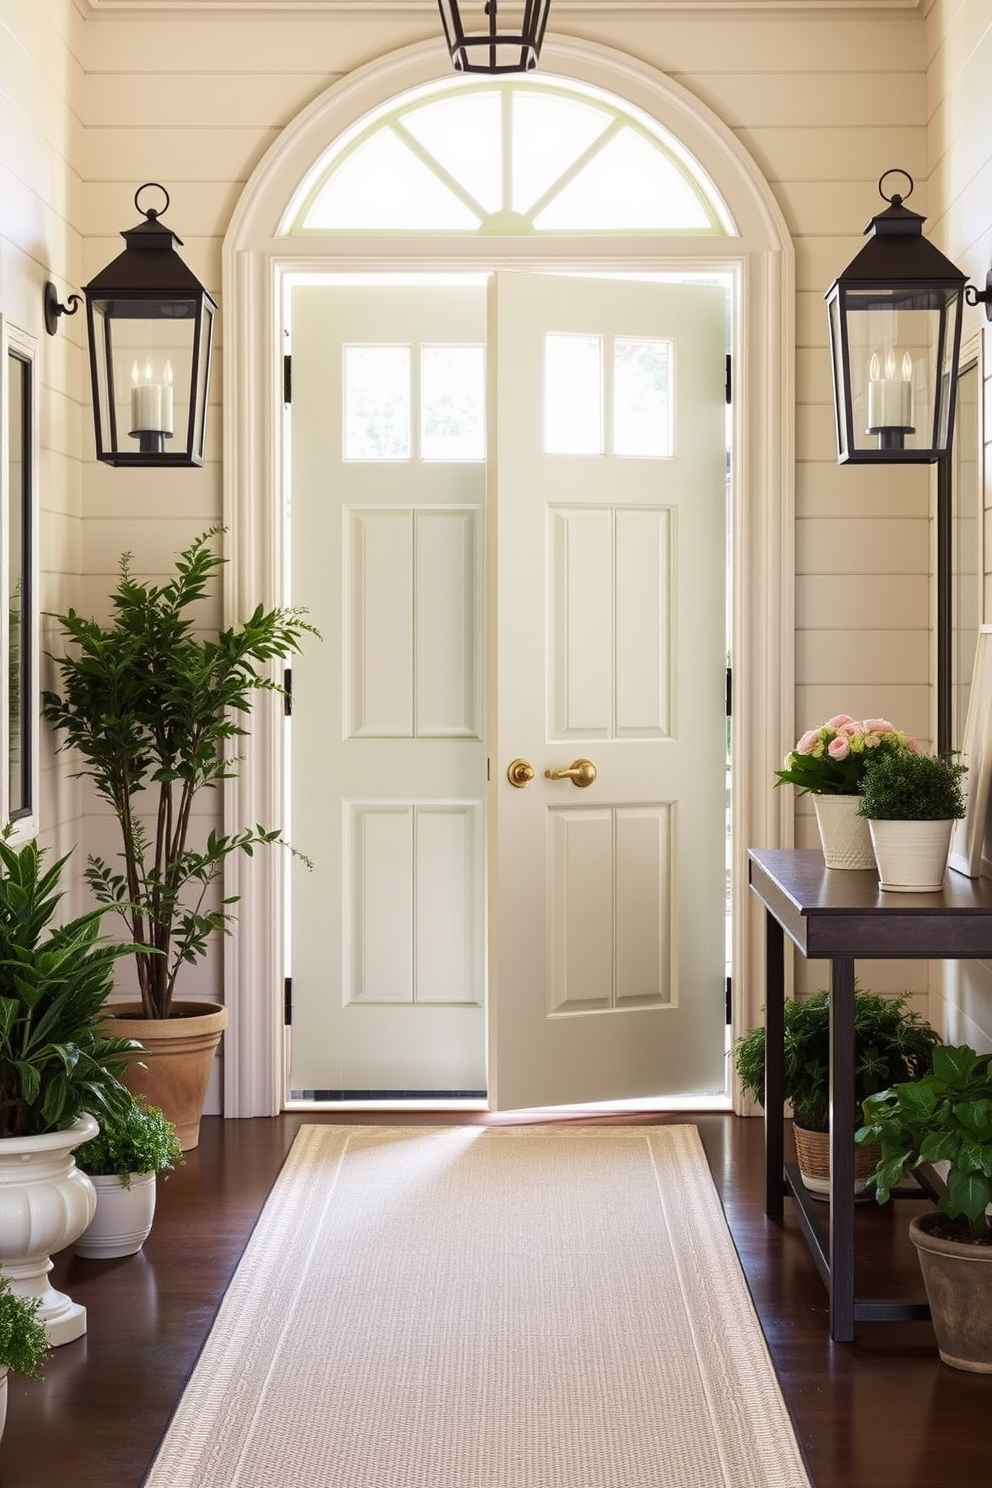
{"x":509,"y":41}
{"x":895,"y":333}
{"x":150,"y":326}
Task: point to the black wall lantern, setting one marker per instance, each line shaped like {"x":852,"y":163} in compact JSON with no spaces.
{"x":895,"y":334}
{"x":150,"y":326}
{"x":509,"y":41}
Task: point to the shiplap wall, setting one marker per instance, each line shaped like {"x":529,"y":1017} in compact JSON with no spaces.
{"x":959,"y":48}
{"x":824,"y":100}
{"x":41,"y":147}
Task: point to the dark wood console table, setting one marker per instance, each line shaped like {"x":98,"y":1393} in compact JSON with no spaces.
{"x":842,"y":915}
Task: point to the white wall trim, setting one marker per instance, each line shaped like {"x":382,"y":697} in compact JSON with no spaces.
{"x":255,"y":264}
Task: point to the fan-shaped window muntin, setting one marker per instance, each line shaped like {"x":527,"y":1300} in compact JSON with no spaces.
{"x":507,"y":158}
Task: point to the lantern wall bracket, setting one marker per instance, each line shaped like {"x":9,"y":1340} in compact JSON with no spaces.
{"x":975,"y":296}
{"x":54,"y":308}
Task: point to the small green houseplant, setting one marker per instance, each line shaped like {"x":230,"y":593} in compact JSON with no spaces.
{"x":912,"y":787}
{"x":24,"y":1342}
{"x":55,"y":1061}
{"x":890,"y":1043}
{"x":945,"y":1117}
{"x":139,"y":1139}
{"x":911,"y":802}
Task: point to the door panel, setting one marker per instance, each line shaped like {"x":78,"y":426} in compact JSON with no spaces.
{"x":607,"y":902}
{"x":388,"y":756}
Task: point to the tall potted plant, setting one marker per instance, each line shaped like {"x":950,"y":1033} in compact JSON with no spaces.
{"x":58,"y":1072}
{"x":829,"y":763}
{"x":154,"y":707}
{"x":945,"y":1117}
{"x":911,"y":802}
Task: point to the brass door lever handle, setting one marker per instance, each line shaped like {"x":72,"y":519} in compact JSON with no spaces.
{"x":581,"y":772}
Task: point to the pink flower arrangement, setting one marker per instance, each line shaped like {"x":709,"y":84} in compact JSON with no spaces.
{"x":832,"y":759}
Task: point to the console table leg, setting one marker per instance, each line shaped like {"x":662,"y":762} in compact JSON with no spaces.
{"x":774,"y":1066}
{"x":842,"y":1149}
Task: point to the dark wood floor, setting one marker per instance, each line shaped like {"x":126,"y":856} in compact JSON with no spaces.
{"x":882,"y":1412}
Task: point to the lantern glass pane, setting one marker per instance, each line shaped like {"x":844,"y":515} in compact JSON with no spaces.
{"x":143,"y":364}
{"x":899,"y":351}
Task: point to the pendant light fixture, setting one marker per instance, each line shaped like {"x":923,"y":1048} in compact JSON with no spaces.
{"x":150,"y":327}
{"x":895,"y":334}
{"x":487,"y":40}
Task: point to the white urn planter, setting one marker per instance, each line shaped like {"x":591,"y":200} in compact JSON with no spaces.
{"x":123,"y":1218}
{"x":844,"y":835}
{"x":45,"y":1204}
{"x":911,"y":855}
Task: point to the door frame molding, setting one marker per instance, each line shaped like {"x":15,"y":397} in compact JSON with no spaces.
{"x":256,"y":265}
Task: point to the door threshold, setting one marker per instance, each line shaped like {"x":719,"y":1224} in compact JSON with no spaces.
{"x":661,"y":1104}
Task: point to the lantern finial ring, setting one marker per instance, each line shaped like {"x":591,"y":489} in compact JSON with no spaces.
{"x":895,"y":200}
{"x":150,"y":212}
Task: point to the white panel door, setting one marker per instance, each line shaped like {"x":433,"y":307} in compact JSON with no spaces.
{"x":608,"y":494}
{"x":388,"y":759}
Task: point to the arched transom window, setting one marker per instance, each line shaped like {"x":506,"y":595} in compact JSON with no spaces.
{"x":506,"y":158}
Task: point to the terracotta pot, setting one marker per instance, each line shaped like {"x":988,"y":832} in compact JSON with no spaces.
{"x":174,"y":1070}
{"x":844,"y":836}
{"x":958,"y":1279}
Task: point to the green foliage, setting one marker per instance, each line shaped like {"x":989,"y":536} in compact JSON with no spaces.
{"x":150,"y":705}
{"x":54,"y":982}
{"x":912,"y":787}
{"x":139,"y":1139}
{"x":890,"y":1043}
{"x":944,"y":1117}
{"x":23,"y":1340}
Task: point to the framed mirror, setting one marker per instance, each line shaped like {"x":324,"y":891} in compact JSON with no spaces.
{"x":18,"y":577}
{"x":960,"y":554}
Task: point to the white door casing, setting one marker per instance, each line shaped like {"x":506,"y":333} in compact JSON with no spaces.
{"x":256,"y":266}
{"x":606,"y":963}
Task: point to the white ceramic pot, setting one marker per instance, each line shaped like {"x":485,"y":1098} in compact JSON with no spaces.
{"x":123,"y":1218}
{"x":844,"y":835}
{"x":911,"y":855}
{"x":45,"y":1204}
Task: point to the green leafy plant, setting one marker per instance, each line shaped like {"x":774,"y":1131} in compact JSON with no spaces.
{"x":946,"y":1116}
{"x":139,"y":1139}
{"x":890,"y":1043}
{"x":150,"y":705}
{"x":912,"y":787}
{"x":23,"y":1339}
{"x":55,"y":1062}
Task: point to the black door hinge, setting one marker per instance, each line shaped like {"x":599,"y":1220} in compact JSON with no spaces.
{"x":287,"y":692}
{"x":729,"y":695}
{"x":287,"y":1002}
{"x":730,"y":1002}
{"x":287,"y":379}
{"x":728,"y":383}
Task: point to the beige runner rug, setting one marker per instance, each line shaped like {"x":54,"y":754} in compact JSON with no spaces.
{"x":486,"y":1307}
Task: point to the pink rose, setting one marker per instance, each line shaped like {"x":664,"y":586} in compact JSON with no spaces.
{"x":912,"y":745}
{"x":878,"y":726}
{"x":839,"y":748}
{"x":807,"y":742}
{"x":839,"y":721}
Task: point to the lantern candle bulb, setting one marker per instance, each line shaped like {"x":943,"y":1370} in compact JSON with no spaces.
{"x":890,"y":397}
{"x":151,"y":402}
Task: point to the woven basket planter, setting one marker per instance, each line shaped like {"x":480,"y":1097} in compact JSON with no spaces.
{"x":813,"y":1156}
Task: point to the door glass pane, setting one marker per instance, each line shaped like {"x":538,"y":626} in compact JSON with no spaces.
{"x":377,"y":402}
{"x":642,"y":409}
{"x":452,"y":402}
{"x":573,"y":394}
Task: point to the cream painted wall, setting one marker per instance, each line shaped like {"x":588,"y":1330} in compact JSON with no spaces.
{"x":959,"y":111}
{"x":824,"y":99}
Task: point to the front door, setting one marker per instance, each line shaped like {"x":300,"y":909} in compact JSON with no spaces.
{"x":606,"y":562}
{"x":609,"y":513}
